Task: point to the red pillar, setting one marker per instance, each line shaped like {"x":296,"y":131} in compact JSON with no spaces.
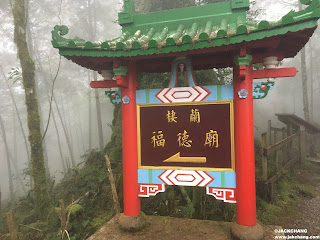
{"x":129,"y":145}
{"x":244,"y":149}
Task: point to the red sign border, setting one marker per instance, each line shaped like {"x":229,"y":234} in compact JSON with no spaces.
{"x":230,"y":102}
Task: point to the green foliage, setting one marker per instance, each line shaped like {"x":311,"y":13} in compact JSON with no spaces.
{"x":295,"y":185}
{"x":74,"y":209}
{"x":306,"y":191}
{"x":15,"y":75}
{"x":87,"y":186}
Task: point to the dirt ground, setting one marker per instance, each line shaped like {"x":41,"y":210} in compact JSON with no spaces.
{"x":168,"y":228}
{"x":309,"y":209}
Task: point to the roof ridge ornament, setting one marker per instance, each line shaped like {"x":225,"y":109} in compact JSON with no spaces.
{"x":305,"y":2}
{"x":240,"y":4}
{"x":126,"y":17}
{"x":58,"y":40}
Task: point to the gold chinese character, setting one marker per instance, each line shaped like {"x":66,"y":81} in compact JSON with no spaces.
{"x":158,"y":141}
{"x":183,"y":139}
{"x":171,"y":116}
{"x":195,"y":116}
{"x":212,"y":139}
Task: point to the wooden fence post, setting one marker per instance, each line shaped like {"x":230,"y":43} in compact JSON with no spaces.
{"x":302,"y":149}
{"x":289,"y":146}
{"x":264,"y":158}
{"x":269,"y":133}
{"x":276,"y":152}
{"x":284,"y":149}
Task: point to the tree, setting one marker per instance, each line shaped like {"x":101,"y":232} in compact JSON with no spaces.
{"x":92,"y":22}
{"x":4,"y":137}
{"x":304,"y":79}
{"x":15,"y":75}
{"x":40,"y":188}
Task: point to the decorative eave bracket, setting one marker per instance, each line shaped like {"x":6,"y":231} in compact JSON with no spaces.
{"x":243,"y":61}
{"x":120,"y":73}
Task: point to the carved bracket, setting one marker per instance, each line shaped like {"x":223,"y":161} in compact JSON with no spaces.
{"x":224,"y":194}
{"x":120,"y":73}
{"x":147,"y":190}
{"x":243,"y":63}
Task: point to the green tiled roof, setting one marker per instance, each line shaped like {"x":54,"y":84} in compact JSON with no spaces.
{"x":184,"y":29}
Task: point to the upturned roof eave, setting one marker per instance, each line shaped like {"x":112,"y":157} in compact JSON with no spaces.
{"x":183,"y":47}
{"x":223,"y":28}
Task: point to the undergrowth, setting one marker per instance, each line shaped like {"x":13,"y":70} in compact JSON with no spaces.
{"x":296,"y":185}
{"x":87,"y":201}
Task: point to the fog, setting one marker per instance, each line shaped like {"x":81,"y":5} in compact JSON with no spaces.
{"x":72,"y":89}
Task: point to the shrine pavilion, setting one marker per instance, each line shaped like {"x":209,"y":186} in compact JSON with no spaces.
{"x":216,"y":35}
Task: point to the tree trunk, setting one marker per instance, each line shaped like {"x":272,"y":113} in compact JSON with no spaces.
{"x":77,"y":114}
{"x":66,"y":111}
{"x":312,"y":82}
{"x":55,"y":125}
{"x":305,"y":85}
{"x":20,"y":122}
{"x":40,"y":188}
{"x":92,"y":30}
{"x":31,"y":52}
{"x":90,"y":117}
{"x":44,"y":143}
{"x":65,"y":133}
{"x":59,"y":143}
{"x":15,"y":150}
{"x":188,"y":201}
{"x":4,"y":137}
{"x":9,"y":156}
{"x":100,"y":130}
{"x":198,"y":202}
{"x":46,"y":84}
{"x":304,"y":78}
{"x":11,"y":226}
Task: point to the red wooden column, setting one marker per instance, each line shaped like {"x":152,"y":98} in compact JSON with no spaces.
{"x":129,"y":144}
{"x":244,"y":141}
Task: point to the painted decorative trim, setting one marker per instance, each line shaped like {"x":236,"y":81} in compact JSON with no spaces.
{"x":182,"y":94}
{"x":186,"y":178}
{"x":242,"y":61}
{"x":114,"y":96}
{"x":220,"y":179}
{"x":224,"y":194}
{"x":261,"y":90}
{"x":215,"y":93}
{"x":243,"y":93}
{"x":147,"y":190}
{"x":126,"y":100}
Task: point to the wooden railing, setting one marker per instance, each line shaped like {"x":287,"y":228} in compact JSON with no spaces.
{"x":287,"y":147}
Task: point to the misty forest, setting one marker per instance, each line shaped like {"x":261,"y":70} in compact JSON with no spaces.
{"x":61,"y":141}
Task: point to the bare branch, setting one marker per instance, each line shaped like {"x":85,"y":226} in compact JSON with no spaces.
{"x":39,"y":230}
{"x":51,"y":99}
{"x":59,"y":14}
